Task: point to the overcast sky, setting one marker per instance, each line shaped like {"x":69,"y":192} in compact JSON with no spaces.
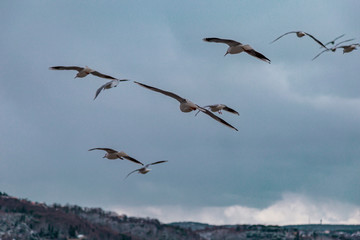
{"x":295,"y":158}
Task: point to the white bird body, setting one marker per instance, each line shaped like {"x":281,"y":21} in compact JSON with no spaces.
{"x":300,"y":34}
{"x":84,"y":72}
{"x":108,"y":85}
{"x":237,"y":47}
{"x":144,"y":170}
{"x":349,"y":48}
{"x":112,"y":154}
{"x":186,"y":105}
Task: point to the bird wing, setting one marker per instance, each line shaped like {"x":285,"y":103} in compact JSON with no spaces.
{"x":109,"y":150}
{"x":98,"y":74}
{"x":316,"y":40}
{"x":229,"y":42}
{"x":283,"y":35}
{"x":249,"y":50}
{"x":101,"y":88}
{"x":215,"y":117}
{"x":133,"y":160}
{"x":170,"y":94}
{"x":348,"y":40}
{"x":155,"y":163}
{"x":67,"y":68}
{"x":321,"y":53}
{"x":226,"y":108}
{"x":132,"y":172}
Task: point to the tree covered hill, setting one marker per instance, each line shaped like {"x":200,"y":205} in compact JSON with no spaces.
{"x":27,"y":220}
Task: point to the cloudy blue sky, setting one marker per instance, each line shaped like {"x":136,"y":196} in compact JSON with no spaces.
{"x":295,"y":158}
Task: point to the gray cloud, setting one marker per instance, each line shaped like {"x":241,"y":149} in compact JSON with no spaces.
{"x":298,"y":123}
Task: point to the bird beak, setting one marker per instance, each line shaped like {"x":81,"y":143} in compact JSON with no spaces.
{"x":226,"y":54}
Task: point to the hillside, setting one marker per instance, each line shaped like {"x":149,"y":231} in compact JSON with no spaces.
{"x":24,"y":219}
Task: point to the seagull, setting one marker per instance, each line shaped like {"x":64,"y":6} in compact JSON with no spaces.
{"x":301,"y":34}
{"x":349,"y":48}
{"x":236,"y":47}
{"x":82,"y":72}
{"x":333,"y":41}
{"x":186,"y":105}
{"x":144,"y":169}
{"x":219,"y":107}
{"x":108,"y":85}
{"x":113,"y":154}
{"x":333,"y":49}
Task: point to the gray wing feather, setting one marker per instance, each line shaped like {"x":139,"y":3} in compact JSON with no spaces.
{"x":229,"y":42}
{"x":230,"y":110}
{"x":344,"y":41}
{"x":132,"y":173}
{"x":101,"y":88}
{"x":67,"y":68}
{"x":156,"y":163}
{"x":283,"y":35}
{"x":321,"y":53}
{"x":170,"y":94}
{"x":316,"y":40}
{"x":98,"y":74}
{"x":109,"y":150}
{"x":216,"y":117}
{"x":133,"y":160}
{"x":258,"y":55}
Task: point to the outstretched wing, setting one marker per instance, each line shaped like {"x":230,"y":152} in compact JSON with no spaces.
{"x":249,"y":50}
{"x":133,"y":160}
{"x":226,"y":108}
{"x":316,"y":40}
{"x":170,"y":94}
{"x":131,"y":173}
{"x":283,"y":35}
{"x":109,"y":150}
{"x":156,"y":162}
{"x":96,"y":73}
{"x":344,"y":41}
{"x":216,"y":117}
{"x":101,"y":88}
{"x":320,"y":53}
{"x":67,"y":68}
{"x":229,"y":42}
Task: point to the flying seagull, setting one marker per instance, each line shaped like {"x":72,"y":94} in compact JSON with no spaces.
{"x":333,"y":41}
{"x":301,"y":34}
{"x":349,"y":48}
{"x":187,"y":105}
{"x":82,"y":72}
{"x":144,"y":169}
{"x":108,"y":85}
{"x":113,"y":154}
{"x":333,"y":49}
{"x":236,"y":47}
{"x":219,"y":107}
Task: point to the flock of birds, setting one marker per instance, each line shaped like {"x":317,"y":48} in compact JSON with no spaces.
{"x":185,"y":104}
